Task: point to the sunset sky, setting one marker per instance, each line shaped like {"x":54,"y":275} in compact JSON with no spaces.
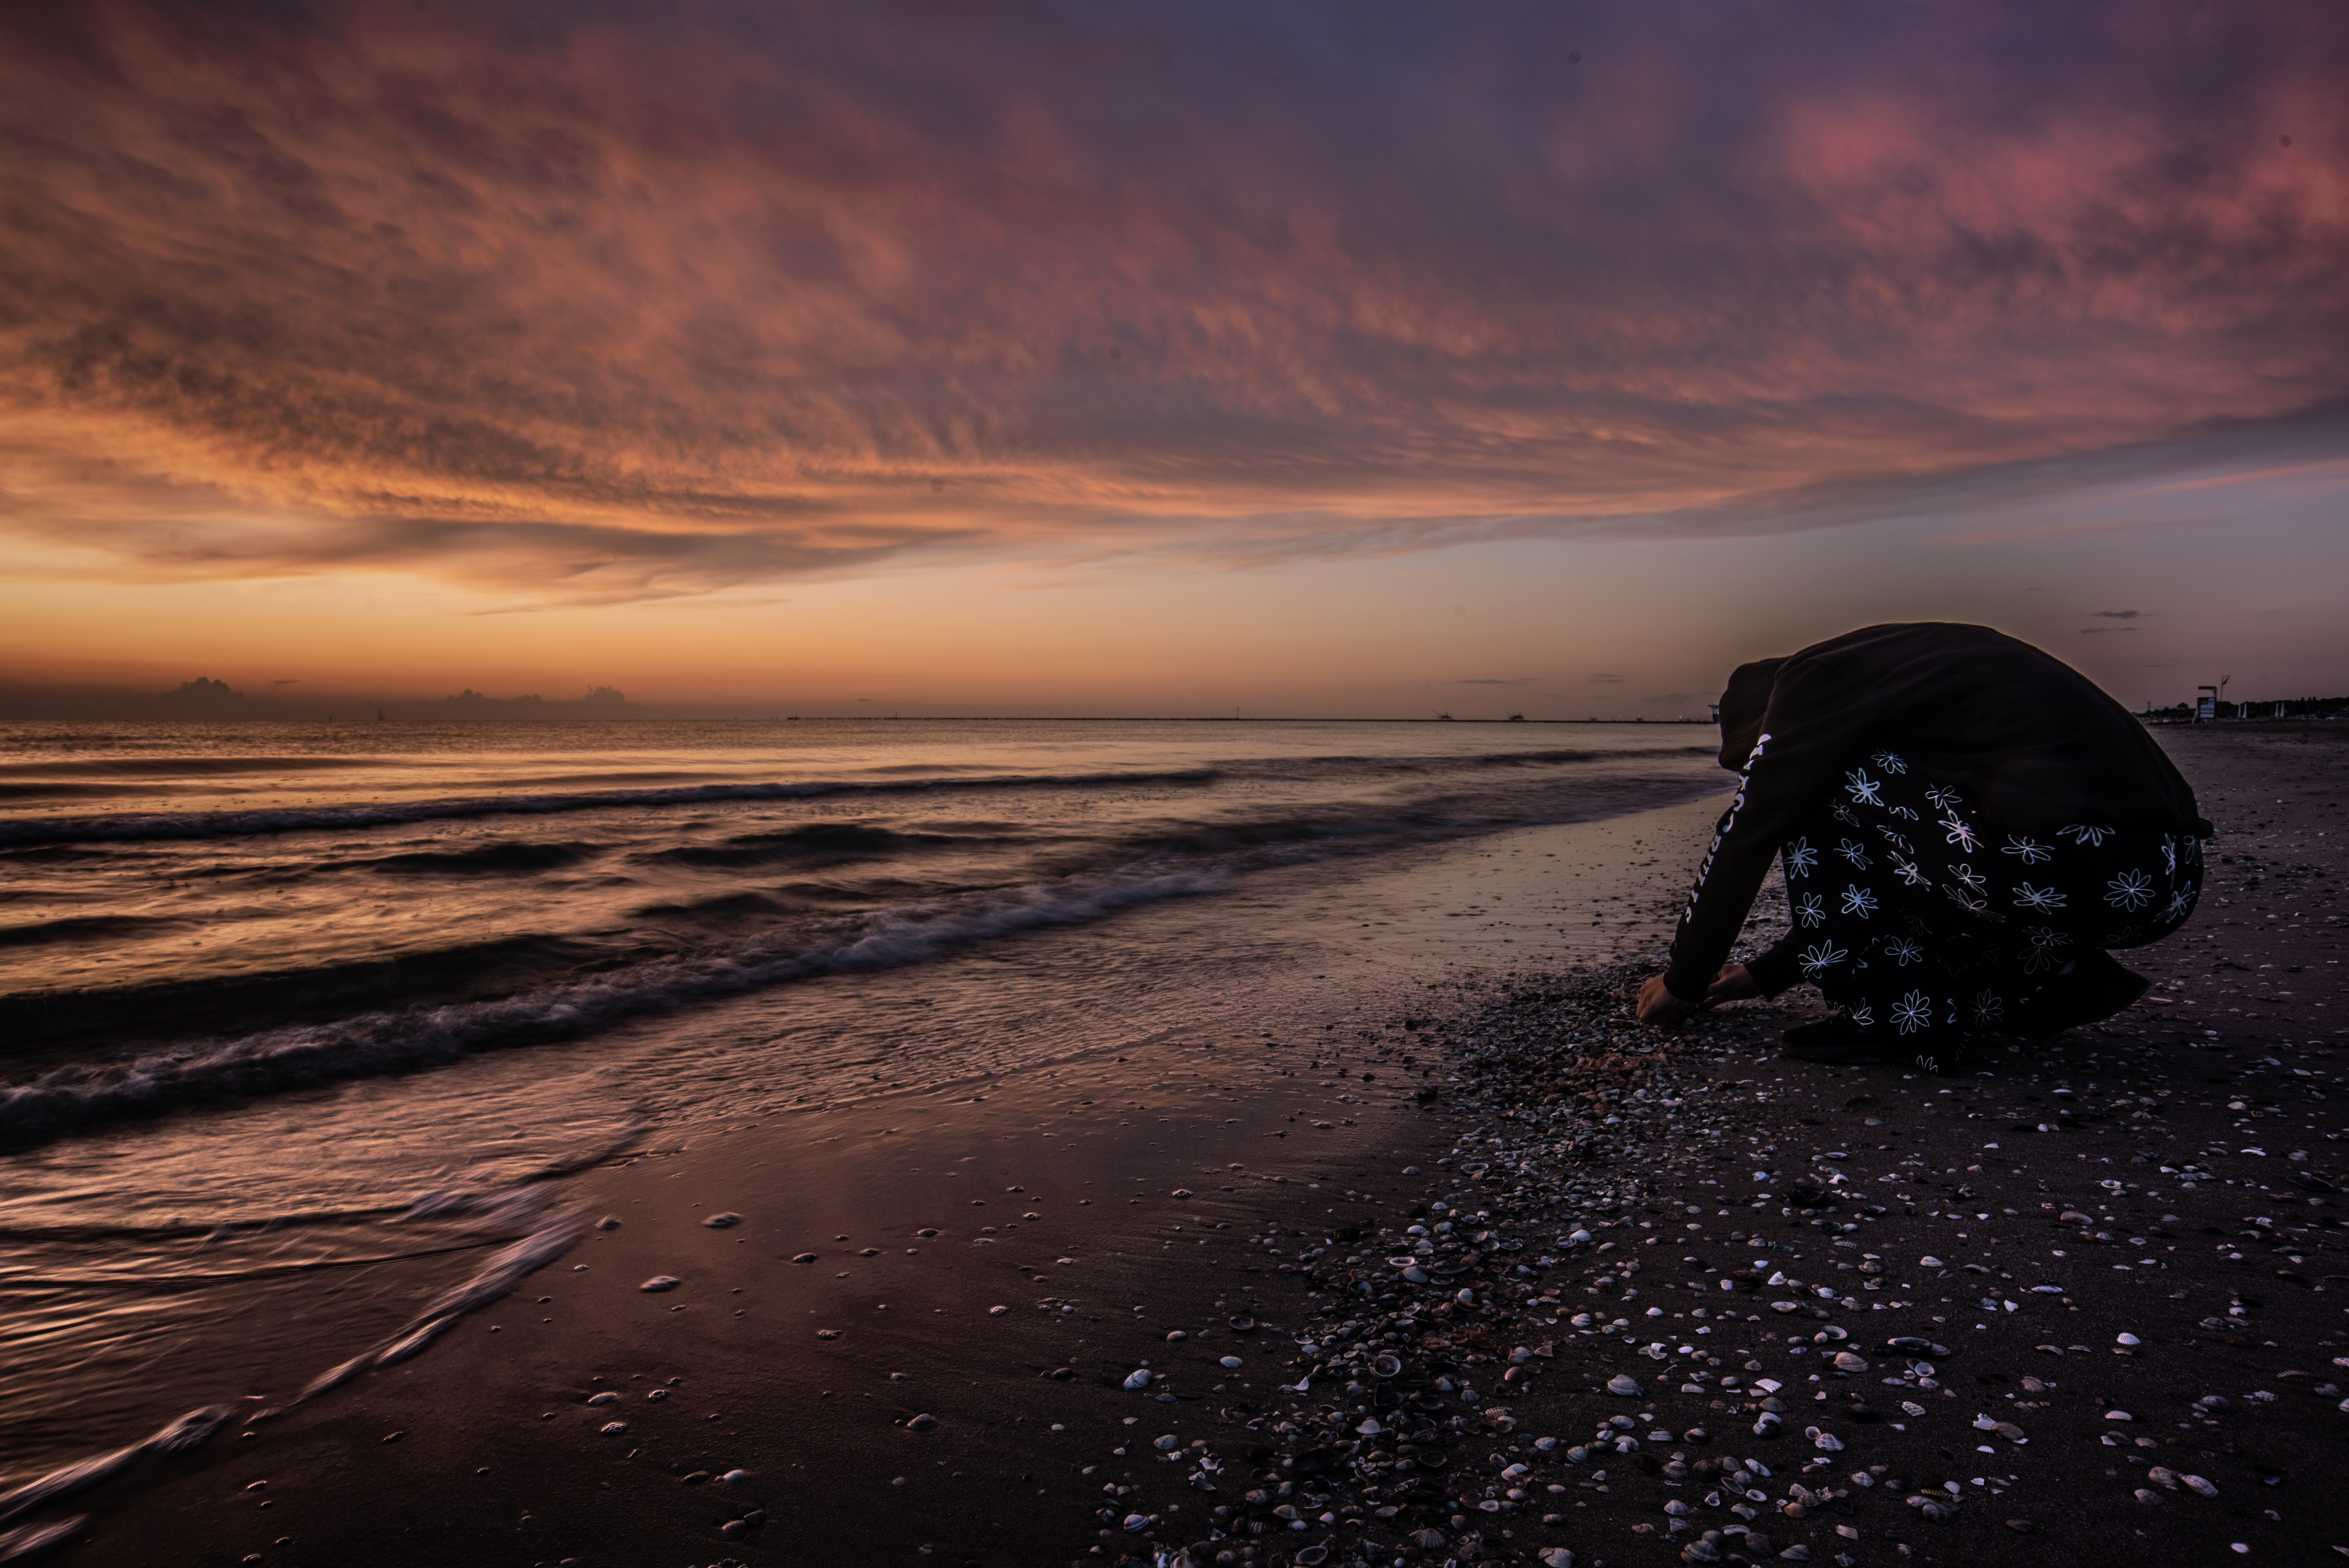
{"x":1167,"y":358}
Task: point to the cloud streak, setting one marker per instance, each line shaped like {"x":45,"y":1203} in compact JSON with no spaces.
{"x":632,"y":302}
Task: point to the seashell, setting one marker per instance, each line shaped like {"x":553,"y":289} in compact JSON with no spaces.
{"x":1846,"y":1361}
{"x":1678,"y":1509}
{"x":2118,"y":1415}
{"x":1137,"y":1523}
{"x":655,"y":1396}
{"x":1180,"y":1192}
{"x":1827,"y":1442}
{"x":804,"y":1258}
{"x":827,"y":1334}
{"x":1243,"y":1324}
{"x":659,"y":1283}
{"x":1386,"y":1366}
{"x":1231,"y":1363}
{"x":725,"y":1222}
{"x":1166,"y":1443}
{"x":1555,"y":1557}
{"x":608,"y":1223}
{"x":604,"y":1398}
{"x":2126,"y":1339}
{"x":922,"y":1423}
{"x":1138,"y":1379}
{"x":2162,"y":1476}
{"x":1624,"y":1384}
{"x":2148,"y":1498}
{"x":1312,"y":1557}
{"x":736,"y":1478}
{"x":610,"y":1428}
{"x":2196,"y":1484}
{"x":1427,"y":1540}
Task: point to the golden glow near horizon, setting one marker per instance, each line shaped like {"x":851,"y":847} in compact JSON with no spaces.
{"x":1173,"y":361}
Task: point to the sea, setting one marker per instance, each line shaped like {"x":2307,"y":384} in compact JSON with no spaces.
{"x":302,"y":1027}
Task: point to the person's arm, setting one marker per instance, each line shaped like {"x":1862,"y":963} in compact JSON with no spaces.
{"x":1815,"y":726}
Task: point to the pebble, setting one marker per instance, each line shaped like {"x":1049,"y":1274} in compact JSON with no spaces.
{"x":922,"y":1423}
{"x":727,"y":1221}
{"x":659,"y":1283}
{"x":1138,"y":1379}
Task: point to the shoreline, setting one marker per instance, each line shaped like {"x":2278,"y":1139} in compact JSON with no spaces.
{"x":1540,"y":1053}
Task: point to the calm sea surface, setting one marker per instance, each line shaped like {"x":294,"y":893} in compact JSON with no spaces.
{"x":296,"y":1018}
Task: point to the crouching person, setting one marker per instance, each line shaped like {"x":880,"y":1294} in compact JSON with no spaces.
{"x":1968,"y":826}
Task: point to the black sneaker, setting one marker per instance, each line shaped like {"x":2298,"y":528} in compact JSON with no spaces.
{"x":2087,"y":990}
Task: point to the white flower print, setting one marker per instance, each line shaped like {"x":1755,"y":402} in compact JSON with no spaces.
{"x":2131,"y":890}
{"x":1863,"y":789}
{"x":1889,"y":762}
{"x":2168,"y":856}
{"x":1856,"y":853}
{"x":2039,"y":900}
{"x":2181,"y":903}
{"x":1903,"y":951}
{"x":1843,"y":813}
{"x":2081,"y":834}
{"x":1858,"y":901}
{"x":2044,"y":943}
{"x":1910,"y":873}
{"x":1895,"y":840}
{"x":1862,"y":1015}
{"x":1989,"y":1008}
{"x":1944,"y":798}
{"x":2023,"y":849}
{"x":1800,"y":858}
{"x":1902,"y":811}
{"x":1913,"y":1012}
{"x":1973,"y":904}
{"x":1973,"y":879}
{"x":1960,"y":833}
{"x":1822,"y":957}
{"x":1810,"y":909}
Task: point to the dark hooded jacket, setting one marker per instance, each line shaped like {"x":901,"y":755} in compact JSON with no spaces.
{"x":2030,"y":742}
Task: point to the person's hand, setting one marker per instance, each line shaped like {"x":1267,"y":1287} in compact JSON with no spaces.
{"x":1731,"y":985}
{"x":1659,"y":1007}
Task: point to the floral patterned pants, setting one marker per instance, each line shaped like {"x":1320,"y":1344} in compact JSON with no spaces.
{"x":1923,"y":921}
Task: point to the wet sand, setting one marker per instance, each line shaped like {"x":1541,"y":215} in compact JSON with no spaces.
{"x":487,"y":1450}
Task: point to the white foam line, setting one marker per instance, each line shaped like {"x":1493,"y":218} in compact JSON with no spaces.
{"x":189,"y":1431}
{"x":496,"y":1275}
{"x":35,"y":1539}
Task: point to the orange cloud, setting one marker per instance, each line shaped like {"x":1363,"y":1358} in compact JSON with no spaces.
{"x":644,"y":302}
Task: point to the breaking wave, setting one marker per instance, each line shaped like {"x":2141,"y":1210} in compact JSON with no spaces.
{"x":274,"y":1061}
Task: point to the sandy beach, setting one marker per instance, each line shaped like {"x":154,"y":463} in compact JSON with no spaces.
{"x":2090,"y":1294}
